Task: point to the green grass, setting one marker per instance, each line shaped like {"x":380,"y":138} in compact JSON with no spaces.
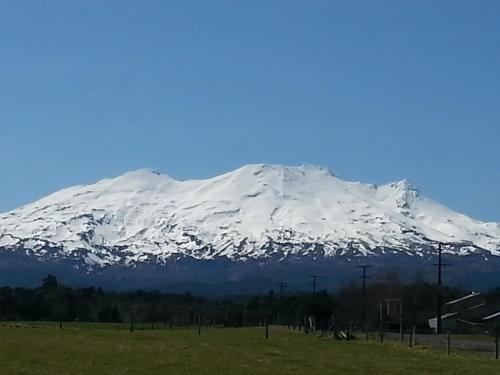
{"x":102,"y":349}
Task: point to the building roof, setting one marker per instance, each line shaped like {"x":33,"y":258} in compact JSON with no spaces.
{"x":449,"y":315}
{"x":472,"y":295}
{"x":492,"y":316}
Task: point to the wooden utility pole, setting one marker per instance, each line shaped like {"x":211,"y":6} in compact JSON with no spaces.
{"x":282,"y":286}
{"x":439,"y":302}
{"x":364,"y":277}
{"x":439,"y":309}
{"x":314,"y":277}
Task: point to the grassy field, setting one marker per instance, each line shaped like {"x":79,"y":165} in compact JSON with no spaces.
{"x":110,"y":349}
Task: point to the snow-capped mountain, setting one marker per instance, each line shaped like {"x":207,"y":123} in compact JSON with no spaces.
{"x":255,"y":212}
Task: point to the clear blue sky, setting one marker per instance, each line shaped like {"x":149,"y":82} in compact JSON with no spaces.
{"x":374,"y":90}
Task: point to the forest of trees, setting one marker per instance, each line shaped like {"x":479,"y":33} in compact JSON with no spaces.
{"x":56,"y":302}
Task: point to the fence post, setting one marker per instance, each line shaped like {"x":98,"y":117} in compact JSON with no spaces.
{"x":267,"y":328}
{"x":380,"y":329}
{"x":496,"y":343}
{"x":448,"y":342}
{"x":401,"y":333}
{"x":411,"y":339}
{"x":199,"y":323}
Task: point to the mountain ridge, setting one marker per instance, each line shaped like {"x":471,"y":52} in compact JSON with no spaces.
{"x":257,"y":211}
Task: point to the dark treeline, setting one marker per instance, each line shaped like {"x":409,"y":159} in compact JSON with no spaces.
{"x":55,"y":302}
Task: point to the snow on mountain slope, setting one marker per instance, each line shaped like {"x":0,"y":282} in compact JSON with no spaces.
{"x":255,"y":211}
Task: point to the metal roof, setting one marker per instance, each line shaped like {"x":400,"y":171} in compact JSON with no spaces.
{"x":492,"y":316}
{"x":462,"y":299}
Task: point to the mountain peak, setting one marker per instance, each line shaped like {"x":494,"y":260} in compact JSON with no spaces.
{"x":143,"y":172}
{"x":303,"y":169}
{"x":405,"y":186}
